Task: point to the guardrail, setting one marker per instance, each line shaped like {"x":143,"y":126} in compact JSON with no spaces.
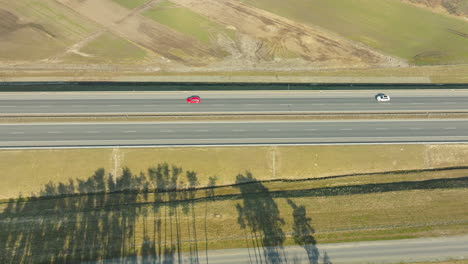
{"x":197,"y":86}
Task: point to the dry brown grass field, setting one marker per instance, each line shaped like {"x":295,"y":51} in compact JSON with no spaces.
{"x":166,"y":201}
{"x":132,"y":219}
{"x":26,"y":171}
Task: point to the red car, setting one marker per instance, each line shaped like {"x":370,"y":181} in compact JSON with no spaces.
{"x":193,"y":99}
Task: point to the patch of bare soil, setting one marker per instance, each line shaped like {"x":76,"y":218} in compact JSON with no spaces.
{"x":264,"y":36}
{"x":458,"y":33}
{"x":10,"y":23}
{"x":452,"y":7}
{"x":171,"y":45}
{"x":22,"y":40}
{"x":165,"y":41}
{"x":263,"y":42}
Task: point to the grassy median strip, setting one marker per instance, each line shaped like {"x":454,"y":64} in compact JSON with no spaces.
{"x":136,"y":117}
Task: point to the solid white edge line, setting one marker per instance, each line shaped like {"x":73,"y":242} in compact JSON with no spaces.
{"x":237,"y":122}
{"x":237,"y":145}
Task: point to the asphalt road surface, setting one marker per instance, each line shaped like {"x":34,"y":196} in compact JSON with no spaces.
{"x":182,"y":133}
{"x":391,"y":251}
{"x":425,"y":249}
{"x":253,"y":101}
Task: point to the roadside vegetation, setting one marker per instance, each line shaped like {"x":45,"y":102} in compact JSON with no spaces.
{"x":162,"y":212}
{"x":421,"y":74}
{"x":26,"y":171}
{"x":168,"y":201}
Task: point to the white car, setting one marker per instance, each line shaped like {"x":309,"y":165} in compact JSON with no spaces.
{"x":382,"y":98}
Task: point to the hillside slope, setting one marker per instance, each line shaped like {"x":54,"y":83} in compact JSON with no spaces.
{"x":225,"y":35}
{"x":454,"y":7}
{"x":406,"y":31}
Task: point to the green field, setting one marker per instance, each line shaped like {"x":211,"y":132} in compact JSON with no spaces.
{"x":131,"y":3}
{"x":188,"y":22}
{"x":398,"y":29}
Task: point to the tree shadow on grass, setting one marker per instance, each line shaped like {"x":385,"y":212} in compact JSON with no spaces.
{"x":117,"y":218}
{"x":303,"y":232}
{"x":66,"y":229}
{"x":259,"y":216}
{"x":101,"y":218}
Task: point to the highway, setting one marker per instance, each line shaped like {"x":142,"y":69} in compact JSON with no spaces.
{"x":253,"y":132}
{"x":231,"y":102}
